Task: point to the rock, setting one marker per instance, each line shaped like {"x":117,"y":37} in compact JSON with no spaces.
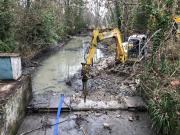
{"x":134,"y":102}
{"x":118,"y":116}
{"x":98,"y":114}
{"x":107,"y":126}
{"x":130,"y":118}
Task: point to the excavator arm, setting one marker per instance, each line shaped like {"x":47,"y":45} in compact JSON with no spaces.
{"x":93,"y":45}
{"x":97,"y":35}
{"x":121,"y":55}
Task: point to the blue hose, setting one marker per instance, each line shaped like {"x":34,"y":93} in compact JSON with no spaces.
{"x":61,"y":100}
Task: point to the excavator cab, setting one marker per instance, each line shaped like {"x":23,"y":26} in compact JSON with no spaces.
{"x":138,"y":49}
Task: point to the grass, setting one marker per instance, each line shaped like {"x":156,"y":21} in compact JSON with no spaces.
{"x":162,"y":110}
{"x":163,"y":99}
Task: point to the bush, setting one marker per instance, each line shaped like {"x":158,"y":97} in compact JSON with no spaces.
{"x":6,"y":46}
{"x":163,"y":113}
{"x":48,"y":32}
{"x":61,"y":31}
{"x":37,"y":30}
{"x":29,"y":27}
{"x":6,"y":24}
{"x":143,"y":11}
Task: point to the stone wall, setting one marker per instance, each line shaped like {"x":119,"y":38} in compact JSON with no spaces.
{"x":16,"y":96}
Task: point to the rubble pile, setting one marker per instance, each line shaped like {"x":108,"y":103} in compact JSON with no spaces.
{"x":109,"y":80}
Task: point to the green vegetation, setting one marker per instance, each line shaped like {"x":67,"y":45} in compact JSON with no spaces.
{"x":161,"y":68}
{"x":162,"y":110}
{"x":29,"y":27}
{"x":6,"y":26}
{"x":32,"y":26}
{"x":141,"y":25}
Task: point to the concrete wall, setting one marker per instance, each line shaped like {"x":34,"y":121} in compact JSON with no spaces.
{"x":13,"y":109}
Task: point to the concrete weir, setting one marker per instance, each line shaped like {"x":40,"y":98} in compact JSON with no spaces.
{"x":14,"y":97}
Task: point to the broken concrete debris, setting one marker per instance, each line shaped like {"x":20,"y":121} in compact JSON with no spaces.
{"x":130,"y":118}
{"x":107,"y":126}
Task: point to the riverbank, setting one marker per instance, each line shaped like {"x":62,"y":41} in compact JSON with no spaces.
{"x":35,"y":58}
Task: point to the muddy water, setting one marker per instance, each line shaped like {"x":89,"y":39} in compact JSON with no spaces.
{"x":58,"y":67}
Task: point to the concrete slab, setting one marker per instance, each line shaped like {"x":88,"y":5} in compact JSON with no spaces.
{"x":133,"y":102}
{"x":78,"y":104}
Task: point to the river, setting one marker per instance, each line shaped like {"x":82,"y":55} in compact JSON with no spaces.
{"x":53,"y":72}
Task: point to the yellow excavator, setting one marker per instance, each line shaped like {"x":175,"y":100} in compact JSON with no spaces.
{"x":134,"y":44}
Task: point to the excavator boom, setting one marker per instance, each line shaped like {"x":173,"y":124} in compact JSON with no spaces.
{"x":97,"y":35}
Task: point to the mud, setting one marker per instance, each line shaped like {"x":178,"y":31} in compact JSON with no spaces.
{"x":91,"y":123}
